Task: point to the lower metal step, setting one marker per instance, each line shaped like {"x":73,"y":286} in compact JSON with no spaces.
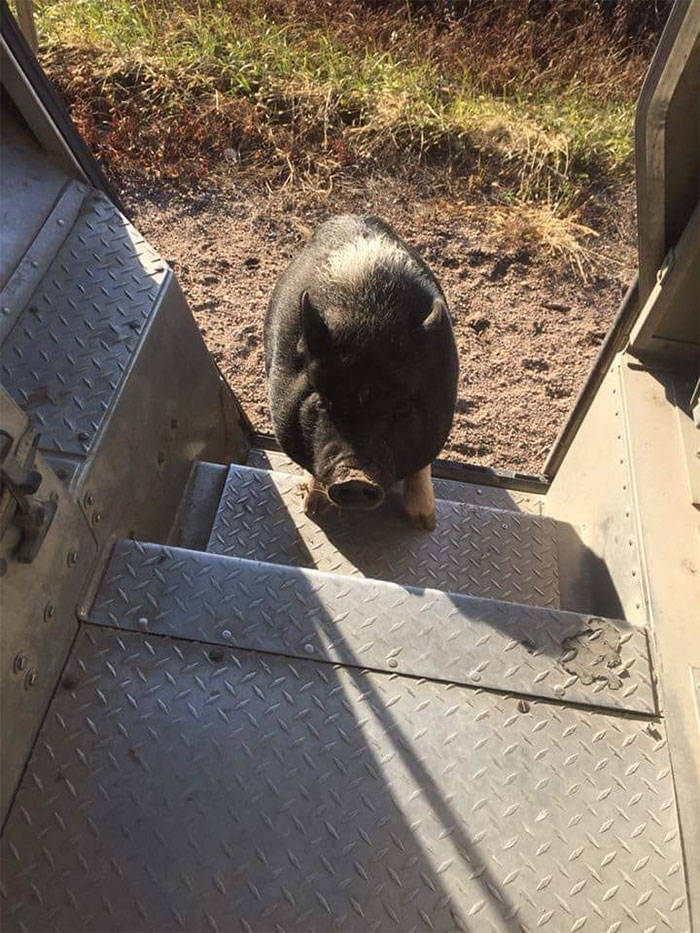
{"x":369,"y":623}
{"x":480,"y":551}
{"x":176,"y":786}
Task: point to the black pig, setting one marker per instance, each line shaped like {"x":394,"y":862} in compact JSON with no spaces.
{"x":362,"y":367}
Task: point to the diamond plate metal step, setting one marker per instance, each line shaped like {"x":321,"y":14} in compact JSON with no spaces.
{"x":369,"y":623}
{"x":179,"y":787}
{"x":491,"y":497}
{"x":65,"y":357}
{"x":484,"y":552}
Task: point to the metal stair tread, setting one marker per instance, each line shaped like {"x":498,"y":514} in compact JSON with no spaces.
{"x":66,"y":355}
{"x":303,"y":613}
{"x":172,"y":787}
{"x":480,"y":551}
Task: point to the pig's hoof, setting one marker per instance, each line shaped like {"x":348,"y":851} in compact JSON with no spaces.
{"x":424,"y":520}
{"x":419,"y":499}
{"x":315,"y":503}
{"x":313,"y":497}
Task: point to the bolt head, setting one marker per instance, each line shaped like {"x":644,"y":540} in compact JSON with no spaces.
{"x":20,"y":663}
{"x":392,"y":662}
{"x":89,"y":499}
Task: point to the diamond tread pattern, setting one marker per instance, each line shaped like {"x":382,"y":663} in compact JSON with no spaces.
{"x":370,"y":623}
{"x":66,"y":356}
{"x":155,"y":799}
{"x":492,"y":497}
{"x":483,"y":552}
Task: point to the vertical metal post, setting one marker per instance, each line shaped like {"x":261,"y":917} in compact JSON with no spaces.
{"x":25,"y":18}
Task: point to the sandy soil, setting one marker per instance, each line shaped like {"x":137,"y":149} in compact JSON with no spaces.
{"x":527,"y":329}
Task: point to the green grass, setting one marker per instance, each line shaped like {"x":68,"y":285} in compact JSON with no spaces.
{"x":317,"y":97}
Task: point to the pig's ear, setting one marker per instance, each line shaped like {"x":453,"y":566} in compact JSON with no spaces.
{"x":438,"y":311}
{"x":314,"y":329}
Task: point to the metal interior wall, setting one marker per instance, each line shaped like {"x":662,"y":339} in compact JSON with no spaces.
{"x":38,"y":610}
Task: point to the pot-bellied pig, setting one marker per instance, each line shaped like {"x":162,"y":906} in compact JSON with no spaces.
{"x":362,"y":368}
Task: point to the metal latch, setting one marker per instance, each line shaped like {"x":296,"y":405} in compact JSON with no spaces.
{"x":32,"y":515}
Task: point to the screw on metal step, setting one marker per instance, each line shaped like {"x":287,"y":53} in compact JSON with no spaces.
{"x":89,"y":499}
{"x":97,"y":518}
{"x":30,"y":679}
{"x":49,"y":612}
{"x":20,"y":663}
{"x":392,"y":662}
{"x":72,"y":558}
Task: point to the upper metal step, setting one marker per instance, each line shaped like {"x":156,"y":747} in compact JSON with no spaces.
{"x":493,"y":497}
{"x":480,"y":551}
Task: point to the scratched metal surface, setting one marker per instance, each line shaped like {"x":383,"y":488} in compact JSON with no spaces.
{"x":179,"y":787}
{"x":483,"y":552}
{"x":491,"y":497}
{"x":370,"y":623}
{"x":67,"y":354}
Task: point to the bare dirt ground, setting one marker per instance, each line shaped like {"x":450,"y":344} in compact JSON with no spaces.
{"x":528,"y":327}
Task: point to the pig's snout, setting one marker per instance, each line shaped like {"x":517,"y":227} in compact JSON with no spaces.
{"x":356,"y":491}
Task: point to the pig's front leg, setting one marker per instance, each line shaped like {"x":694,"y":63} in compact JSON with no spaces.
{"x":314,"y":498}
{"x":419,"y":499}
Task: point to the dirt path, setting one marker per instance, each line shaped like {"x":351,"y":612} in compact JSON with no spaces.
{"x":527,"y":331}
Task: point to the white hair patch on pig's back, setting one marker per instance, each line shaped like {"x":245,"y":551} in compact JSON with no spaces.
{"x":354,"y":266}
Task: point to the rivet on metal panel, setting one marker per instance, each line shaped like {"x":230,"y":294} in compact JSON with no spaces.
{"x":20,"y":663}
{"x":5,"y":310}
{"x":83,"y":436}
{"x":309,"y":648}
{"x":30,"y":679}
{"x":89,"y":499}
{"x":72,"y":558}
{"x":97,"y":518}
{"x":392,"y":662}
{"x":61,"y":222}
{"x":70,"y":681}
{"x":226,"y":634}
{"x":143,"y":623}
{"x":49,"y":612}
